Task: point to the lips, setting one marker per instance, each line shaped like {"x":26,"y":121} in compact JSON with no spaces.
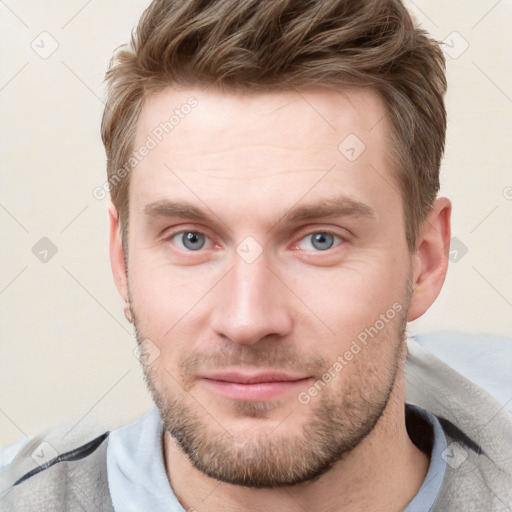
{"x":252,"y":386}
{"x":257,"y":378}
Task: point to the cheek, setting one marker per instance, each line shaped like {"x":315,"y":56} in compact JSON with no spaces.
{"x":349,"y":298}
{"x":170,"y":302}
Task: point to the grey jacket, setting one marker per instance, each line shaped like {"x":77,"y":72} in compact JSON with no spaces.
{"x":478,"y":431}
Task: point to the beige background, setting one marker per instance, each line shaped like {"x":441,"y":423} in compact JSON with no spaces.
{"x":66,"y":350}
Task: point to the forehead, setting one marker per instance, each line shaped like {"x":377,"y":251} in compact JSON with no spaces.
{"x":242,"y":145}
{"x":311,"y":117}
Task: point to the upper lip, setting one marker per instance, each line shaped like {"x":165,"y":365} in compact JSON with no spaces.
{"x":252,"y":378}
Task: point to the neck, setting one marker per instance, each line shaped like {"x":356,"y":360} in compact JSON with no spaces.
{"x":384,"y":472}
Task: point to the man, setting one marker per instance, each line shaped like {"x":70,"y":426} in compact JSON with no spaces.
{"x":274,"y":170}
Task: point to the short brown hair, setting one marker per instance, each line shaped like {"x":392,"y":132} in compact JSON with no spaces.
{"x":288,"y":44}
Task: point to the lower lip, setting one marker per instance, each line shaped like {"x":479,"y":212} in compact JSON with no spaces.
{"x":259,"y":391}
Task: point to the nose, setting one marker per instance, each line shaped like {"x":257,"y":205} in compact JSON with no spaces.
{"x":250,"y":304}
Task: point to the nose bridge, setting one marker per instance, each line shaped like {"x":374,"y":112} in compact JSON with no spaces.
{"x":248,"y":308}
{"x":250,"y":286}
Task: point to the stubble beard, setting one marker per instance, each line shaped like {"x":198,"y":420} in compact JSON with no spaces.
{"x":342,"y":415}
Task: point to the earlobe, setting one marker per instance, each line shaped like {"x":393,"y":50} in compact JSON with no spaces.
{"x":117,"y":259}
{"x":431,"y":259}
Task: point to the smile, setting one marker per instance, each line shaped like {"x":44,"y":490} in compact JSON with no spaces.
{"x":261,"y":386}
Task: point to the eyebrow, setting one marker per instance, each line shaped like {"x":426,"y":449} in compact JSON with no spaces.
{"x":166,"y":208}
{"x":341,"y":206}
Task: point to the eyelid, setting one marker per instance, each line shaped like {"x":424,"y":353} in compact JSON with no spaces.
{"x":338,"y":240}
{"x":171,"y":231}
{"x":337,"y":232}
{"x":181,"y":229}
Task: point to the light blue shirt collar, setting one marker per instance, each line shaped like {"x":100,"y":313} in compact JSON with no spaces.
{"x":427,"y":494}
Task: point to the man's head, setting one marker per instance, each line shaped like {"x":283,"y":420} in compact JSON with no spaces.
{"x":280,"y":232}
{"x":255,"y":45}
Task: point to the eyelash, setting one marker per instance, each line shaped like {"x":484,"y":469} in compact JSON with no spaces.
{"x":302,"y":236}
{"x":324,"y":232}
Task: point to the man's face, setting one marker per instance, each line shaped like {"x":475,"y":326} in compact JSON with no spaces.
{"x":266,"y":244}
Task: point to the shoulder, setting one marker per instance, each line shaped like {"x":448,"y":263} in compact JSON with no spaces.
{"x":476,"y":477}
{"x":58,"y":472}
{"x":478,"y":431}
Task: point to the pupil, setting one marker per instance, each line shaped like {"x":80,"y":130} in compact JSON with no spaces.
{"x":193,"y":241}
{"x":322,"y":241}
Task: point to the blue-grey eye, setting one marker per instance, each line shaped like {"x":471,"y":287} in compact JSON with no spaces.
{"x":320,"y":241}
{"x":192,"y":241}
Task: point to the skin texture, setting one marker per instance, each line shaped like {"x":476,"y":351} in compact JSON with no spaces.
{"x":274,"y":301}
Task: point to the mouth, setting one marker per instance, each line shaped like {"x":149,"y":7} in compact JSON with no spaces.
{"x":252,"y":386}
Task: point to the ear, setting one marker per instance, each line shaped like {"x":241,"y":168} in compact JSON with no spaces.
{"x":430,"y":262}
{"x":117,"y":259}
